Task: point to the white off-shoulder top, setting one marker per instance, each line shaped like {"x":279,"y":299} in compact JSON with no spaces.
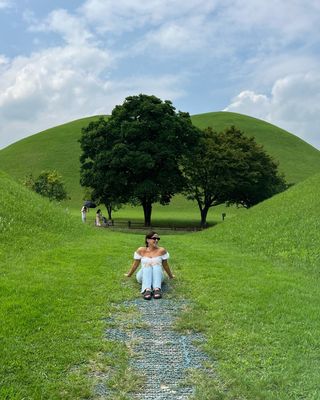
{"x":151,"y":261}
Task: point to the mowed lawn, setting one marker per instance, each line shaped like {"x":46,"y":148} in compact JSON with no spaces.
{"x":252,"y":282}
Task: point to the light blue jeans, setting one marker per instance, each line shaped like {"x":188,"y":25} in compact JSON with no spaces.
{"x":150,"y":277}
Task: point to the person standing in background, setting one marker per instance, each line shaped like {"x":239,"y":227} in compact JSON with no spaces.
{"x":84,"y":211}
{"x":98,"y":218}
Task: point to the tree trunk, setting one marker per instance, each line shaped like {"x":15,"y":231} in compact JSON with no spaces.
{"x":109,"y":209}
{"x":147,"y":209}
{"x":204,"y":213}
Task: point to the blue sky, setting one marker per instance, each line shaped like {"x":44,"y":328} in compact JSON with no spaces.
{"x":63,"y":60}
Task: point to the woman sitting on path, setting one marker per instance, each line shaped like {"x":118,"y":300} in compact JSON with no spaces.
{"x":153,"y":261}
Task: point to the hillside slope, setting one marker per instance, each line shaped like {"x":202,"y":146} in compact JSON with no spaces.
{"x":297,"y":159}
{"x":28,"y":220}
{"x":255,"y":282}
{"x":57,"y":283}
{"x":285,"y":226}
{"x":58,"y":148}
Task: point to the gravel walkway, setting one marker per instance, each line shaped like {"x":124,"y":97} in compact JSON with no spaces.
{"x":161,"y":354}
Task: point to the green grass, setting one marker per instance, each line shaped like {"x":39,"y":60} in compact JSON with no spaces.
{"x":285,"y":227}
{"x":260,"y":318}
{"x":57,"y":284}
{"x":55,"y":148}
{"x":253,"y":279}
{"x":253,"y":282}
{"x":58,"y":148}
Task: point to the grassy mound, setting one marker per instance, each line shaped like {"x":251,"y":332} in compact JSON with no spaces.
{"x":297,"y":159}
{"x":58,"y":148}
{"x":25,"y":216}
{"x":57,"y":284}
{"x":255,"y":282}
{"x":285,"y":227}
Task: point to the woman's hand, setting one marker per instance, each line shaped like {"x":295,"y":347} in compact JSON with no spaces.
{"x":127,"y":275}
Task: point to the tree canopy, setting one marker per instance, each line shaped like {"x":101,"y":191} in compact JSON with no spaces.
{"x":229,"y":167}
{"x":134,"y":156}
{"x":48,"y":184}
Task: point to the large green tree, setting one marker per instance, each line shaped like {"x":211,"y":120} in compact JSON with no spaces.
{"x":229,"y":167}
{"x":134,"y":155}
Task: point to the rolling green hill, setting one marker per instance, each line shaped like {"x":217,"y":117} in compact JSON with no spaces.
{"x":297,"y":159}
{"x":285,"y":227}
{"x":255,"y":281}
{"x":58,"y":148}
{"x":57,"y":283}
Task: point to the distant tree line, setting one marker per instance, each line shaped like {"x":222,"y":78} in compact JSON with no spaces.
{"x":147,"y":152}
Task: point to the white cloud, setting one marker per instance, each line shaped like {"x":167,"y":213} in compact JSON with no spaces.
{"x":126,"y":15}
{"x":3,"y":59}
{"x":63,"y":83}
{"x":49,"y":87}
{"x":249,"y":102}
{"x":157,"y":25}
{"x":113,"y":48}
{"x":5,"y":4}
{"x":294,"y":105}
{"x":284,"y":21}
{"x":188,"y":35}
{"x":71,"y":28}
{"x":231,"y":31}
{"x":171,"y":36}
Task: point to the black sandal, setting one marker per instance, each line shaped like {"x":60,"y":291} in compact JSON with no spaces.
{"x":157,"y":294}
{"x":147,"y":294}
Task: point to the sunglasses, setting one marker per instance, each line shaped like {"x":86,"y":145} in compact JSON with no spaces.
{"x":155,"y":238}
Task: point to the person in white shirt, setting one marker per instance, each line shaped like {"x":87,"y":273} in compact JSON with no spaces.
{"x":154,"y":260}
{"x":98,"y":218}
{"x":84,"y":211}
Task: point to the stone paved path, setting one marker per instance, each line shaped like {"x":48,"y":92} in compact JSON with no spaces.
{"x":162,"y":354}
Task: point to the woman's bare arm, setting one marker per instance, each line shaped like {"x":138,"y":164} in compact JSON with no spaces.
{"x":133,"y":268}
{"x":167,"y":269}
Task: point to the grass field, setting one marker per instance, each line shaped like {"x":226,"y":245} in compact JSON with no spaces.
{"x":253,"y":282}
{"x":180,"y":213}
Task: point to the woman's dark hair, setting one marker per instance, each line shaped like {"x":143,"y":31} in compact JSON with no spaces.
{"x":149,"y":236}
